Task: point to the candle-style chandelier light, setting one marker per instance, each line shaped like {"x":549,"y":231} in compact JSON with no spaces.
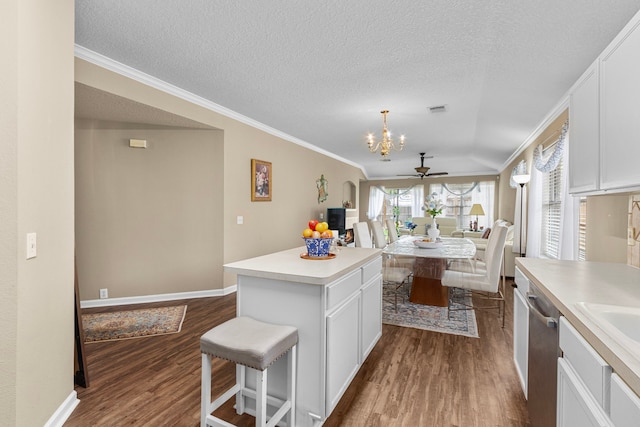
{"x":386,"y":144}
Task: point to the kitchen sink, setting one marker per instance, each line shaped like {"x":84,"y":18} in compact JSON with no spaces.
{"x":621,"y":323}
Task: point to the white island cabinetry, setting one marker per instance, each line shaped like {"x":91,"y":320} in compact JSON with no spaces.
{"x":336,"y":305}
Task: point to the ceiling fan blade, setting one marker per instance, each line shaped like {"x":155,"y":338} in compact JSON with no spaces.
{"x":437,"y":173}
{"x":408,"y":175}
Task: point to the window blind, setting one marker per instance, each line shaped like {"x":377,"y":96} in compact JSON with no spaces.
{"x":551,"y":211}
{"x":582,"y":230}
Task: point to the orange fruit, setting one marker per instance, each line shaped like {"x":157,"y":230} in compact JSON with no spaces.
{"x":307,"y":232}
{"x":322,"y":226}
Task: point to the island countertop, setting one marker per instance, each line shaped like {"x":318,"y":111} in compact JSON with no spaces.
{"x":289,"y":266}
{"x":566,"y":283}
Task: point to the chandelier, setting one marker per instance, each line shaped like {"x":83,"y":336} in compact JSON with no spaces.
{"x":386,"y":145}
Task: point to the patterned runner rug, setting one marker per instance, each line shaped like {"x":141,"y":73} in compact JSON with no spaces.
{"x":121,"y":325}
{"x":410,"y":315}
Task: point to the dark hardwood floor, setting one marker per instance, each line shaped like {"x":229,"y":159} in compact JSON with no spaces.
{"x":411,"y":378}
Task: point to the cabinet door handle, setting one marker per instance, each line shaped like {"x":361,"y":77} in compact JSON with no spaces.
{"x":549,"y":321}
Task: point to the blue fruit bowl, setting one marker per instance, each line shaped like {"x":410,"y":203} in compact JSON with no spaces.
{"x":317,"y":248}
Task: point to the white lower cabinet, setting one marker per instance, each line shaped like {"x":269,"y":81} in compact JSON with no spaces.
{"x":343,"y":350}
{"x":354,"y":326}
{"x":625,"y":404}
{"x":371,"y":316}
{"x":521,"y":329}
{"x":583,"y":381}
{"x":576,"y":406}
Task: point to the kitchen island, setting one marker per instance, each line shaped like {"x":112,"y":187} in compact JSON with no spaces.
{"x":336,"y":304}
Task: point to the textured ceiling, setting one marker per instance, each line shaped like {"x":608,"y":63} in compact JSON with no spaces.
{"x":322,"y":71}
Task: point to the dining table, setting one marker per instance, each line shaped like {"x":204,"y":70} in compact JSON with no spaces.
{"x":431,"y":260}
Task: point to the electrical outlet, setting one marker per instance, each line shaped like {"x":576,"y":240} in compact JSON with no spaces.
{"x":104,"y":293}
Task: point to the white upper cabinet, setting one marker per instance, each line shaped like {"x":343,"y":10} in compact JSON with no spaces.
{"x":584,"y":139}
{"x":619,"y":111}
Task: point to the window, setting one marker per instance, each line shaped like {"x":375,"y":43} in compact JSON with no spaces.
{"x":399,"y":204}
{"x":582,"y":230}
{"x":458,"y":199}
{"x":551,"y":210}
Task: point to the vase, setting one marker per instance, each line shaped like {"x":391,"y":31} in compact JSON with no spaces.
{"x":433,"y":232}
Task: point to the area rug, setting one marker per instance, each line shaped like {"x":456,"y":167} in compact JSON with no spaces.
{"x":122,"y":325}
{"x":410,"y":315}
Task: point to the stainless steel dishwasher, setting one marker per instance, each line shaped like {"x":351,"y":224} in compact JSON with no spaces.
{"x":543,"y":359}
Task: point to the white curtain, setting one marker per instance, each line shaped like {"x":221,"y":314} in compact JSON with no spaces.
{"x":376,"y":200}
{"x":418,"y":201}
{"x":535,"y":215}
{"x":569,"y":217}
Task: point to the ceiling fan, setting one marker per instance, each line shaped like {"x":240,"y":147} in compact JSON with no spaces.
{"x":423,"y":170}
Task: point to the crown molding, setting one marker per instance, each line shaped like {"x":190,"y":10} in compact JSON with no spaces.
{"x":148,"y":80}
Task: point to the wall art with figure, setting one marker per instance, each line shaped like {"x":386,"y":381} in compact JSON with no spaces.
{"x":261,"y":184}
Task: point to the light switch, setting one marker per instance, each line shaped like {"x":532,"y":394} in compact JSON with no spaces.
{"x":31,"y":245}
{"x":240,"y":220}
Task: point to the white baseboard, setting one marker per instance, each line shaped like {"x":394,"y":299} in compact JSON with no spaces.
{"x":64,"y":411}
{"x":157,"y":298}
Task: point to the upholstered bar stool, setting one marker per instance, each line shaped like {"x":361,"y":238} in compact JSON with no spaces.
{"x":254,"y":344}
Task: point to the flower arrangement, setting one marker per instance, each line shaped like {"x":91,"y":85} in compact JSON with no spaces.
{"x":409,"y":225}
{"x":432,"y":205}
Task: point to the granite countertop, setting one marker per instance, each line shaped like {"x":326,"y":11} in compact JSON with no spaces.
{"x":289,"y":266}
{"x":566,"y":283}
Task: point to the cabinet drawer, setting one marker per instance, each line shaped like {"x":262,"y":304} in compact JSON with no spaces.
{"x":625,"y":404}
{"x":372,"y":269}
{"x":590,"y":367}
{"x":342,"y":288}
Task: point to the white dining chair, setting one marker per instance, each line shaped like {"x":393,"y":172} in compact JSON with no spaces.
{"x":392,"y":231}
{"x":485,"y":281}
{"x":478,"y":263}
{"x":362,"y":235}
{"x":379,"y":239}
{"x":406,"y":262}
{"x":397,"y":277}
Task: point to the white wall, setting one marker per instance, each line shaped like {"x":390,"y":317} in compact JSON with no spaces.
{"x":148,"y":221}
{"x":36,"y":195}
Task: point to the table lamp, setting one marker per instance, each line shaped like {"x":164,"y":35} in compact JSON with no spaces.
{"x":476,"y":210}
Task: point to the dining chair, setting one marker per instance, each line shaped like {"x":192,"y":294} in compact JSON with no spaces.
{"x":485,"y":280}
{"x":397,"y":277}
{"x":478,"y":263}
{"x":392,"y":231}
{"x":379,"y":239}
{"x":406,"y":262}
{"x":362,"y":235}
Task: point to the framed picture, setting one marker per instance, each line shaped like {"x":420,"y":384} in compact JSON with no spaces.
{"x":261,"y":184}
